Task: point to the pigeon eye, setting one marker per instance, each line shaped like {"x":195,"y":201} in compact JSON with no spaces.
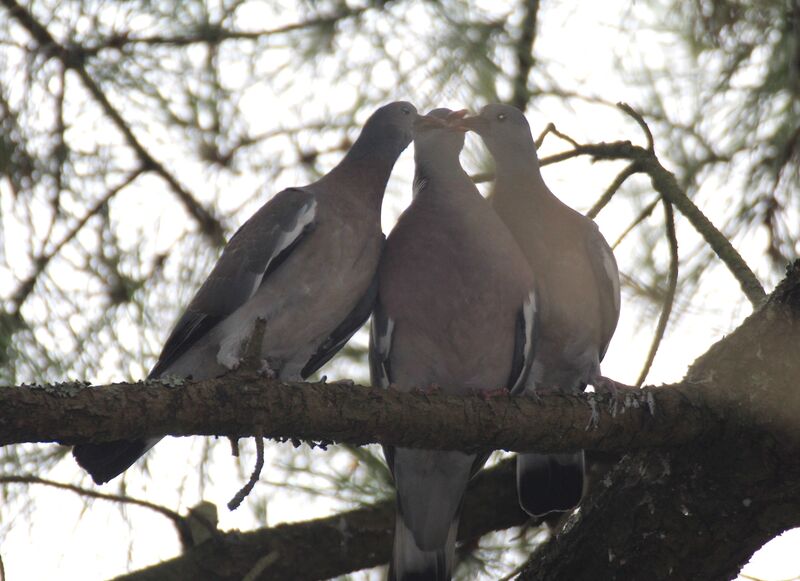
{"x":406,"y":111}
{"x":501,"y":116}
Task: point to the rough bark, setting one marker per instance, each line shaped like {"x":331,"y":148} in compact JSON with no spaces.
{"x":247,"y":405}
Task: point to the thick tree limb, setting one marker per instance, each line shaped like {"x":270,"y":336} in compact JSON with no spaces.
{"x":243,"y":406}
{"x":327,"y":547}
{"x":700,"y":511}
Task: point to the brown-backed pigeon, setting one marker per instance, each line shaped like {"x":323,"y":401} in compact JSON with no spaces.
{"x":578,"y":286}
{"x":305,"y":263}
{"x":455,"y":310}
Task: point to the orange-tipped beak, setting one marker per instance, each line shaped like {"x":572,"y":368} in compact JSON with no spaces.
{"x":475,"y":123}
{"x":455,"y":120}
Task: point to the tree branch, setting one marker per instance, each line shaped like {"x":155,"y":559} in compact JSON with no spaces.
{"x":523,"y":53}
{"x":696,"y":510}
{"x":665,"y":184}
{"x":215,"y":34}
{"x":247,"y":405}
{"x":327,"y":547}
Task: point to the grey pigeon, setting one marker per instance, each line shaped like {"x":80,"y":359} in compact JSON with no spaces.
{"x":305,"y":263}
{"x":455,"y":310}
{"x":578,"y":286}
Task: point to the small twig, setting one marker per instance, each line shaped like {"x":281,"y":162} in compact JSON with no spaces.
{"x":669,"y":299}
{"x":234,"y":446}
{"x":26,"y":479}
{"x":539,"y":140}
{"x":667,"y":185}
{"x":612,"y":189}
{"x":248,"y":488}
{"x":215,"y":34}
{"x":648,"y":209}
{"x":564,"y":136}
{"x":630,"y":111}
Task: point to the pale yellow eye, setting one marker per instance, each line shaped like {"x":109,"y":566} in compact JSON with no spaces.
{"x":501,"y":116}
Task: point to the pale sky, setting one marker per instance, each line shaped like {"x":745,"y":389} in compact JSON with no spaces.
{"x":63,"y":541}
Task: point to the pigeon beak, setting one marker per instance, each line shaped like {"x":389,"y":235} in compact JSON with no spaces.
{"x":455,"y":120}
{"x":475,"y":123}
{"x":427,"y":121}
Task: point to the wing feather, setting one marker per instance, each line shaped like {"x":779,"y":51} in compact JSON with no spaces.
{"x":606,"y":276}
{"x":256,"y":250}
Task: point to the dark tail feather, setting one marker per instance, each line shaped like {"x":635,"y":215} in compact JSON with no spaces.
{"x":110,"y":459}
{"x":410,"y":563}
{"x":548,"y":483}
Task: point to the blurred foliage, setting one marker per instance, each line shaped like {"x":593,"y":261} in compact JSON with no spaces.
{"x":726,"y":107}
{"x":213,"y":106}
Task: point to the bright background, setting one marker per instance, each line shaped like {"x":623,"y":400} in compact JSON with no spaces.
{"x":588,"y":56}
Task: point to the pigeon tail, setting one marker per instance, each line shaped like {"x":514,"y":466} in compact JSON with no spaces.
{"x":410,"y":563}
{"x":110,"y":459}
{"x":549,"y":483}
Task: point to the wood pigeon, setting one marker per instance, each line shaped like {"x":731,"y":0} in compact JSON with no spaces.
{"x":456,"y":311}
{"x":305,"y":263}
{"x":578,"y":285}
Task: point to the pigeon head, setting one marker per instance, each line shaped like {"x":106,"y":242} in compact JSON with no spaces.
{"x":502,"y":128}
{"x":394,"y":121}
{"x":440,"y":128}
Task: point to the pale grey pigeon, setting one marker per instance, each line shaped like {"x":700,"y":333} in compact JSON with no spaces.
{"x":579,"y":297}
{"x":305,"y":263}
{"x":456,"y":310}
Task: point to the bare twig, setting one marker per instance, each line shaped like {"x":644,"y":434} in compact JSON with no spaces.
{"x":248,"y":488}
{"x":539,"y":140}
{"x":648,"y":209}
{"x":214,"y":34}
{"x":612,"y":189}
{"x":563,"y":136}
{"x":665,"y":184}
{"x":669,"y":298}
{"x":27,"y":479}
{"x":640,"y":120}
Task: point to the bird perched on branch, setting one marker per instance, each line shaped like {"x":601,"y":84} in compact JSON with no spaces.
{"x":456,"y":309}
{"x":304,"y":264}
{"x":578,"y":284}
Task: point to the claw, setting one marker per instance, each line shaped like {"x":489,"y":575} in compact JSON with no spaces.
{"x":489,"y":394}
{"x":622,"y":396}
{"x":594,"y":418}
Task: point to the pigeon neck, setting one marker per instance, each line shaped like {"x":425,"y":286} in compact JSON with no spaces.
{"x":520,"y":168}
{"x":367,"y":167}
{"x":439,"y":166}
